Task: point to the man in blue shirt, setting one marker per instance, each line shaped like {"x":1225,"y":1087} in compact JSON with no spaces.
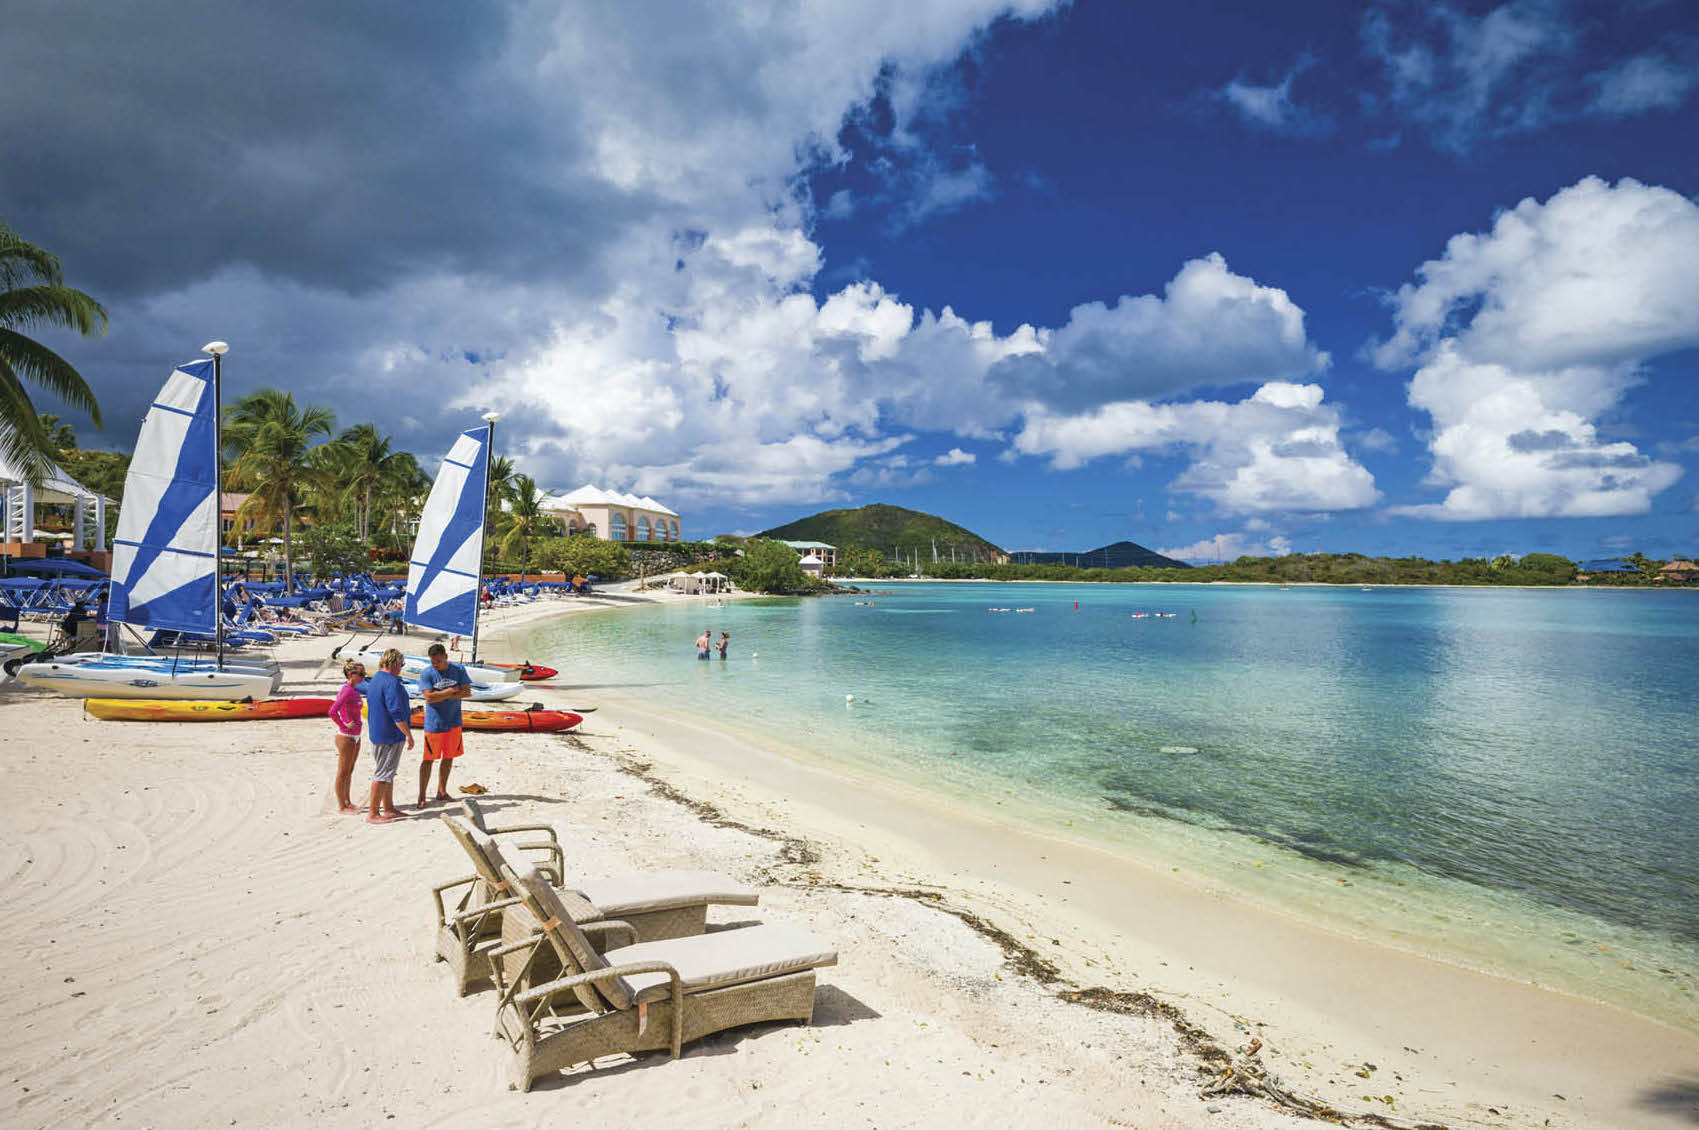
{"x":389,"y":717}
{"x":442,"y":685}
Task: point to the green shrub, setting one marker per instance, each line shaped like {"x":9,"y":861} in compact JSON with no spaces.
{"x":771,"y":567}
{"x":609,"y":560}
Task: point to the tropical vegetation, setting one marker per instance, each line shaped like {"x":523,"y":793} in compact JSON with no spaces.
{"x":270,"y":442}
{"x":34,"y":297}
{"x":902,"y":533}
{"x":524,"y":520}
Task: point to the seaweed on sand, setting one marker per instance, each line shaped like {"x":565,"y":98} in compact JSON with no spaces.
{"x":1224,"y":1075}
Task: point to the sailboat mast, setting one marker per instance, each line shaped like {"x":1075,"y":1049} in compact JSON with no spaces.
{"x":490,"y":418}
{"x":218,"y":349}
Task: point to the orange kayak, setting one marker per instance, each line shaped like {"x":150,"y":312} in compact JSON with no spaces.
{"x":543,"y":721}
{"x":172,"y":710}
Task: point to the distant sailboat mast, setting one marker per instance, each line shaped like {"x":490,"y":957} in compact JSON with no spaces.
{"x":490,"y":418}
{"x":218,"y":349}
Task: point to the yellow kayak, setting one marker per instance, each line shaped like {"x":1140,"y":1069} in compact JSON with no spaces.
{"x":172,"y":710}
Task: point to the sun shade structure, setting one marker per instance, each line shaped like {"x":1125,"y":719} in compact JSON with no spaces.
{"x":17,"y":512}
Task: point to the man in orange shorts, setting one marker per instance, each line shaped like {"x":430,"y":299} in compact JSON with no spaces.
{"x":442,"y":685}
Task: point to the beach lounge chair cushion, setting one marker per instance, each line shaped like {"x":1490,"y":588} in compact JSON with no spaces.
{"x":725,"y":957}
{"x":642,"y":892}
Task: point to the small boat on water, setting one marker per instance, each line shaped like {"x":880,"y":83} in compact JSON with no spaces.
{"x":529,"y":672}
{"x":165,"y":710}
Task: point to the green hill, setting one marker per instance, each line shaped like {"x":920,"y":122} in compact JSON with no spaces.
{"x":888,"y":529}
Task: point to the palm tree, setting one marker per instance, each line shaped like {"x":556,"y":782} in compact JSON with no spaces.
{"x":525,"y":522}
{"x":33,"y":295}
{"x":401,"y":493}
{"x":363,"y":459}
{"x":271,"y":441}
{"x":62,"y":435}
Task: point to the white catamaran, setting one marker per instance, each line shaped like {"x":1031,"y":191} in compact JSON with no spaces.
{"x":443,"y":573}
{"x":165,"y":559}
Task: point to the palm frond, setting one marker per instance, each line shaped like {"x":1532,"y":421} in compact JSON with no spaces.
{"x":23,"y":441}
{"x":39,"y":365}
{"x":23,"y":262}
{"x":60,"y":307}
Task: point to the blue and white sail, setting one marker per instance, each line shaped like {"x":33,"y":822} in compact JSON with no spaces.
{"x":442,"y":576}
{"x":165,"y":554}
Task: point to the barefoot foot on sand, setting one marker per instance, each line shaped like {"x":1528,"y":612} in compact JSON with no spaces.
{"x":349,"y":810}
{"x":382,"y":818}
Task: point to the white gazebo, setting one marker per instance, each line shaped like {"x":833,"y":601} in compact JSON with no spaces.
{"x":18,"y":500}
{"x":698,"y":582}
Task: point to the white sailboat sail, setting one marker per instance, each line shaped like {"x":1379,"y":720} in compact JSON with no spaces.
{"x":443,"y":573}
{"x":165,"y":560}
{"x":165,"y":554}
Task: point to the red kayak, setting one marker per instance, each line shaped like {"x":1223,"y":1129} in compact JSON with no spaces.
{"x":528,"y":672}
{"x":542,"y":721}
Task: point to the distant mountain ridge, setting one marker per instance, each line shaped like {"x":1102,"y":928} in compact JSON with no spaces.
{"x":892,"y":530}
{"x":1119,"y":555}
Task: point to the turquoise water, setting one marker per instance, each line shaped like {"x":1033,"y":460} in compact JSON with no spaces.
{"x":1509,"y":777}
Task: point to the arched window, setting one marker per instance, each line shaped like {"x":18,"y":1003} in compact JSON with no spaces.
{"x":643,"y":527}
{"x":590,"y":529}
{"x":675,"y":529}
{"x":616,"y":526}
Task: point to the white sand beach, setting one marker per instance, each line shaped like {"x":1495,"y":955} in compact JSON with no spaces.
{"x":195,"y":937}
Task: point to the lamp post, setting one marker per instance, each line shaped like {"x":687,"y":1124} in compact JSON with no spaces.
{"x":217,"y":350}
{"x":490,"y":418}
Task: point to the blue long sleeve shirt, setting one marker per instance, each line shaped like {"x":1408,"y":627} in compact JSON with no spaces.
{"x":386,"y":705}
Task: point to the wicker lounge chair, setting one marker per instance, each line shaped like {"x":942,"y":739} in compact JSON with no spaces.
{"x":653,"y":904}
{"x":643,"y":996}
{"x":666,"y":903}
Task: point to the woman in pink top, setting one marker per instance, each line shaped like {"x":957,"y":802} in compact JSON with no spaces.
{"x":345,"y":716}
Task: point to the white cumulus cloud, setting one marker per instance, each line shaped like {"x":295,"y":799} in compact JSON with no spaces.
{"x":1525,"y":335}
{"x":955,"y":457}
{"x":1276,"y":450}
{"x":1210,"y":326}
{"x":1228,"y":546}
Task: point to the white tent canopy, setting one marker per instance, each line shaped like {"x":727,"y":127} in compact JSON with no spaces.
{"x":57,"y":488}
{"x":18,"y":501}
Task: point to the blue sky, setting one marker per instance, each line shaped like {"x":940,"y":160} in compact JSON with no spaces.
{"x":1394,"y":278}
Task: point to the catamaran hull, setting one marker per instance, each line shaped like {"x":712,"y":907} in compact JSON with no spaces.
{"x":175,"y":662}
{"x":412,"y":666}
{"x":481,"y":692}
{"x":89,"y":680}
